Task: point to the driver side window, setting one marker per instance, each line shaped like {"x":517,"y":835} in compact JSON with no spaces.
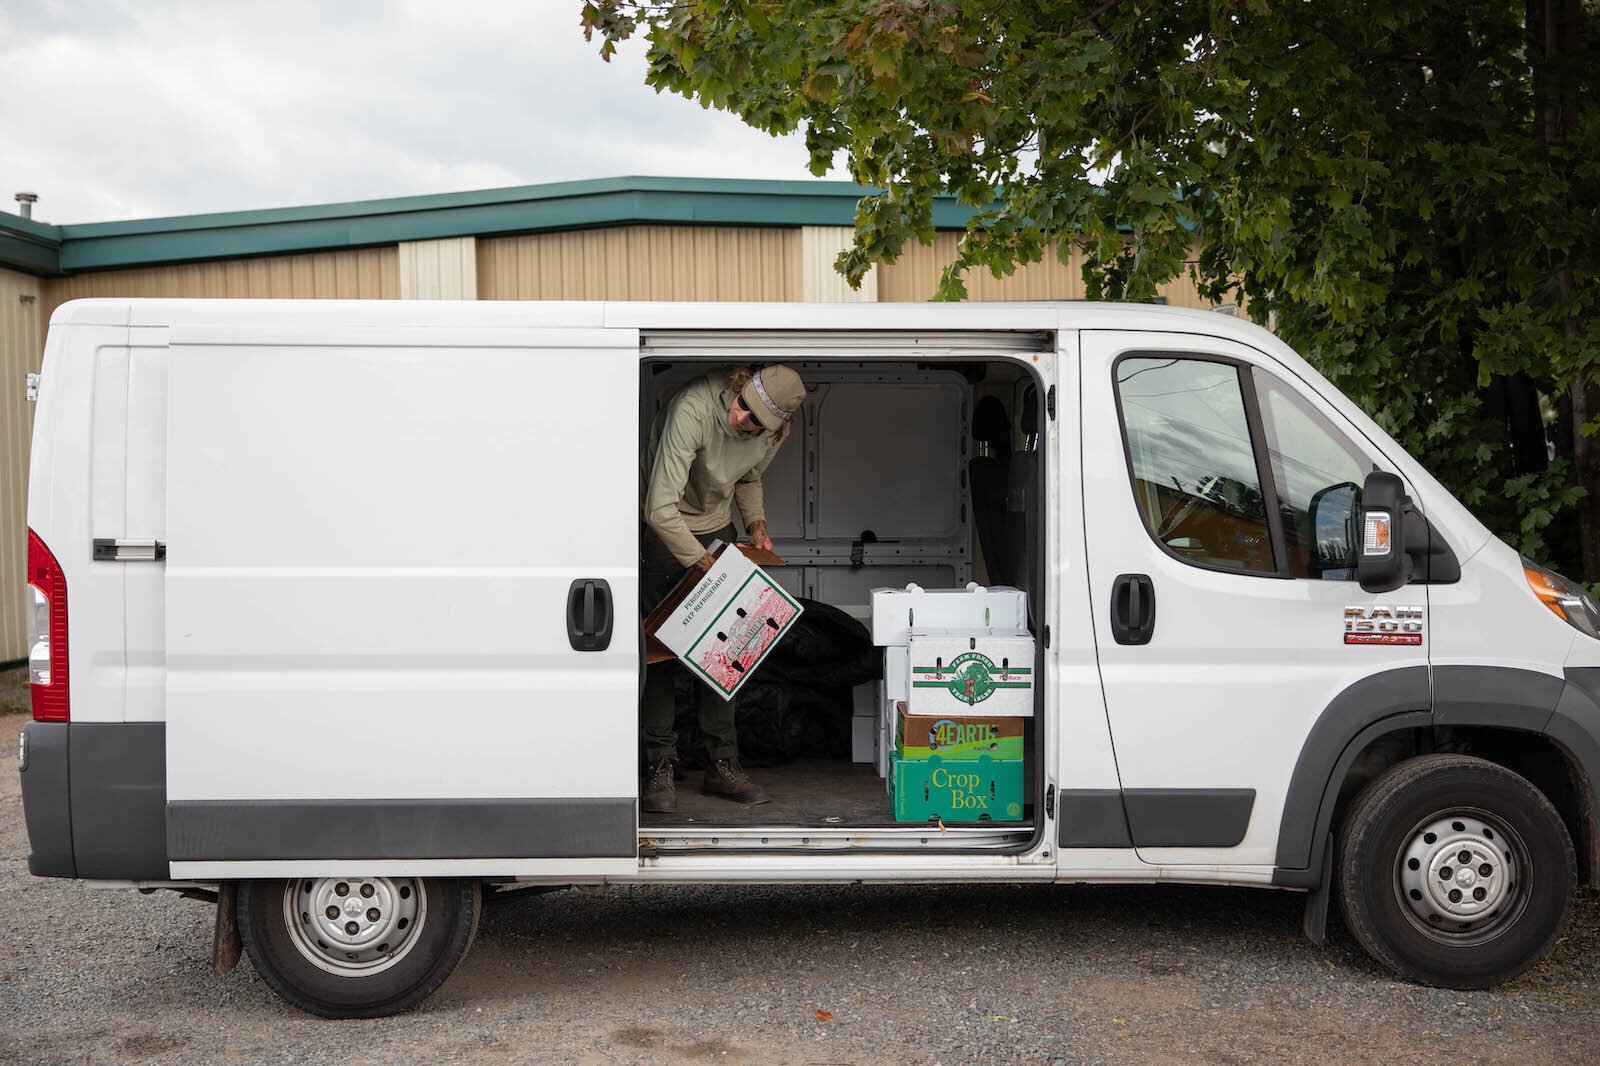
{"x":1234,"y":470}
{"x":1318,"y":474}
{"x":1195,"y":476}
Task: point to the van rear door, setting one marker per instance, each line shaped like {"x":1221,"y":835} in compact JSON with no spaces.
{"x":375,"y":540}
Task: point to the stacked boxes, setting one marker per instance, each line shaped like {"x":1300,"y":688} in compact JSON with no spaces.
{"x":864,"y":740}
{"x":958,"y":686}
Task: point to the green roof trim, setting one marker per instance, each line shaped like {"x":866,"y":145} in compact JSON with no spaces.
{"x":28,"y":246}
{"x":41,"y":249}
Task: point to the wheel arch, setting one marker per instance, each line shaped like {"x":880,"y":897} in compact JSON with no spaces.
{"x":1545,"y":727}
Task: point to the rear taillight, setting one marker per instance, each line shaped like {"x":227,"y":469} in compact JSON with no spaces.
{"x":47,"y":654}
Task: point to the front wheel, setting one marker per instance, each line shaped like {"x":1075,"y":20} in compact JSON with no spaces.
{"x":357,"y":947}
{"x":1455,"y":871}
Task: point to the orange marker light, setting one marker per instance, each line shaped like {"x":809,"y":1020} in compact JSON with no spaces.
{"x":1376,"y":539}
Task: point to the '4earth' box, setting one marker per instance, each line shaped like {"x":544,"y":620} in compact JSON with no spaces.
{"x":958,"y":737}
{"x":981,"y":789}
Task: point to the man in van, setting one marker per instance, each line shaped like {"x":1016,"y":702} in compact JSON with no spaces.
{"x":708,"y":449}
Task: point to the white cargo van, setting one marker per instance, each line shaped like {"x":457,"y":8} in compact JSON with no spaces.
{"x":305,"y":577}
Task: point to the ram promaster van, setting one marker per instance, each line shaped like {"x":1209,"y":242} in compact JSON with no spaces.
{"x":337,"y":623}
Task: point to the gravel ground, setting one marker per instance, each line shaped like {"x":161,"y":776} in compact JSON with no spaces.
{"x":807,"y":975}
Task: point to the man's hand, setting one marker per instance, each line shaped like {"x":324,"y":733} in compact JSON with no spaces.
{"x":758,"y":536}
{"x":704,"y":564}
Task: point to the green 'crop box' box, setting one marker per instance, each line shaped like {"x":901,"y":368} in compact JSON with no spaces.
{"x":957,"y":791}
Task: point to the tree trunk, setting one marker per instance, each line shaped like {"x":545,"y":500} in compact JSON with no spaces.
{"x":1554,"y":27}
{"x":1586,"y":454}
{"x":1513,"y":401}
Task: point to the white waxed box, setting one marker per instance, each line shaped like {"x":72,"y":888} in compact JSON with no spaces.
{"x":974,"y":672}
{"x":896,"y":673}
{"x":886,"y":741}
{"x":896,"y":612}
{"x":864,"y":723}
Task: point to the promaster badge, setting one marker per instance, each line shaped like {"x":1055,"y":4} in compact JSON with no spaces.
{"x":1383,"y":625}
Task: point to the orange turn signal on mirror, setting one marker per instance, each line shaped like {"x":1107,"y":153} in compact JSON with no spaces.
{"x":1376,"y":540}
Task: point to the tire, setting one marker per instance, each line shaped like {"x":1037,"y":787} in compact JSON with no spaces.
{"x":1413,"y":904}
{"x":357,"y":947}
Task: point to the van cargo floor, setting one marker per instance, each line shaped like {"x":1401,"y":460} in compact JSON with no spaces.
{"x":806,"y":792}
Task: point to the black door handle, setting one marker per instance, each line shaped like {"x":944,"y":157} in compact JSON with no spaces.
{"x":589,"y":615}
{"x":1133,"y":609}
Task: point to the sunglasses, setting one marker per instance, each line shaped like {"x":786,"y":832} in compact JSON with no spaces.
{"x":740,"y":408}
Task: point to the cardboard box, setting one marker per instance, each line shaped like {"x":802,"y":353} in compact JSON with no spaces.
{"x":864,"y":723}
{"x":864,"y":739}
{"x":885,"y":720}
{"x":722,"y":625}
{"x":980,"y":672}
{"x":897,"y":673}
{"x":982,"y":789}
{"x":896,"y":612}
{"x":959,"y":737}
{"x":864,"y":700}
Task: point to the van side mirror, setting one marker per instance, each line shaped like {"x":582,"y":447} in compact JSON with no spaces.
{"x":1382,"y":564}
{"x":1335,"y":536}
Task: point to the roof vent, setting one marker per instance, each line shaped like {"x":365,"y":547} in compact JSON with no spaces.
{"x":26,"y":200}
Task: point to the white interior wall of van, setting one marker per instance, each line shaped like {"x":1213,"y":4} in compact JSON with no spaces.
{"x":870,"y":489}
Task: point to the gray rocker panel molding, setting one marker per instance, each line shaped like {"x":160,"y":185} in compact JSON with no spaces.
{"x":47,"y":800}
{"x":1092,"y":818}
{"x":1154,"y":817}
{"x":248,"y":830}
{"x":119,"y":799}
{"x":1188,"y":817}
{"x":94,"y":795}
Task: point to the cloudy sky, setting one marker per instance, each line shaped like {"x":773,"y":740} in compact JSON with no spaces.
{"x":136,"y":108}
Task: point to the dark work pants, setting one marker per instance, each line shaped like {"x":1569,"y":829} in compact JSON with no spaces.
{"x":659,"y":571}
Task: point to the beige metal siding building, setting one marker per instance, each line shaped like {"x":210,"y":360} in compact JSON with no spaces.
{"x":615,"y":239}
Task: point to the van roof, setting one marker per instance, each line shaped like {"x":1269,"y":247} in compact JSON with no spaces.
{"x":1060,"y":314}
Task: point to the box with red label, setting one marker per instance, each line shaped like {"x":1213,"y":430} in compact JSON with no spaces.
{"x":723,"y":624}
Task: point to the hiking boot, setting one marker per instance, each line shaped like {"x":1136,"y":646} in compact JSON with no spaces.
{"x":660,"y":795}
{"x":726,"y":778}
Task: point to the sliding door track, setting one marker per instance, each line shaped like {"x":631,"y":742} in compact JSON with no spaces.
{"x":835,"y":839}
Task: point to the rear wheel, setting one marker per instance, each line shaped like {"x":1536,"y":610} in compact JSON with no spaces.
{"x":357,"y":947}
{"x":1455,"y":871}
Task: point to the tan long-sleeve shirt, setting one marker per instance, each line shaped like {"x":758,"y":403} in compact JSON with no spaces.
{"x":695,"y":464}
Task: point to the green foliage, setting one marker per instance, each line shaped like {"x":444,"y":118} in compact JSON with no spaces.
{"x":1409,"y":191}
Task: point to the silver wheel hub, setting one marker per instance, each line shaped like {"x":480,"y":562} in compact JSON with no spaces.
{"x":353,"y":926}
{"x":1458,"y":870}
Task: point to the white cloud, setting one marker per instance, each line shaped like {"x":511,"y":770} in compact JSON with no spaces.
{"x":124,"y":110}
